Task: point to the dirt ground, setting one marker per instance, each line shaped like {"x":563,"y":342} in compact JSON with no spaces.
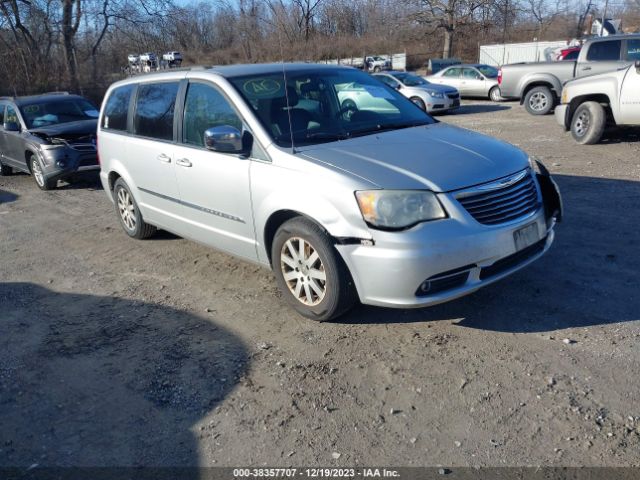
{"x":163,"y":352}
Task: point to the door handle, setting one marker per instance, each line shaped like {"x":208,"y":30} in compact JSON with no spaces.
{"x":586,"y":68}
{"x":164,"y":158}
{"x":183,"y":162}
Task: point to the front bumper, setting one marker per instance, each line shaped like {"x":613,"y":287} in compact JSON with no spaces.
{"x":62,"y":163}
{"x":561,"y":115}
{"x":457,"y":255}
{"x":435,"y":105}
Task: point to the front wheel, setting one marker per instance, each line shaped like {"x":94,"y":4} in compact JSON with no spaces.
{"x":38,"y":175}
{"x":539,"y":101}
{"x":129,"y":213}
{"x":418,"y":101}
{"x":494,"y":94}
{"x":588,"y":123}
{"x":309,"y":271}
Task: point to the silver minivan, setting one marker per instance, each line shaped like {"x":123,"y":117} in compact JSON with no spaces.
{"x":379,"y":203}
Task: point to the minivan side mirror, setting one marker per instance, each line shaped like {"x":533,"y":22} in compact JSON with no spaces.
{"x":11,"y":127}
{"x":224,"y":139}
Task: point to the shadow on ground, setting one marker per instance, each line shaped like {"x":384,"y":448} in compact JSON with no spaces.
{"x":588,"y":277}
{"x":100,"y":381}
{"x":466,"y":109}
{"x":7,"y":197}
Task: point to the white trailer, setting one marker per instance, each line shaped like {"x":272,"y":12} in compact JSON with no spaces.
{"x":504,"y":54}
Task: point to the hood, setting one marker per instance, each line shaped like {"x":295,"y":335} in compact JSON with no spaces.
{"x":439,"y":157}
{"x":81,"y":128}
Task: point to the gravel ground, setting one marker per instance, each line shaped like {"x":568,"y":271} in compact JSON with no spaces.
{"x":163,"y":352}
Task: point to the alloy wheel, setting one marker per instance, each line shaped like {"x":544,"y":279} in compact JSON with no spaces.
{"x":581,"y":124}
{"x":37,"y":173}
{"x":303,"y":271}
{"x":127,"y":209}
{"x":538,"y":101}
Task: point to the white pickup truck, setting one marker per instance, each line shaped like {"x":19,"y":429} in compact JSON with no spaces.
{"x":589,"y":104}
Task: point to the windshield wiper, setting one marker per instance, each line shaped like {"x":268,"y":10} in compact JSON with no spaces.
{"x":385,"y":127}
{"x":327,"y":136}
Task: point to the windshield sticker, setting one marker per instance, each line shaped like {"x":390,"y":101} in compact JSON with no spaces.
{"x":32,"y":109}
{"x":92,"y":113}
{"x":378,"y":92}
{"x":262,"y":87}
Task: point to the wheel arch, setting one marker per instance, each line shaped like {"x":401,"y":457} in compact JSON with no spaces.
{"x":579,"y":100}
{"x":540,"y":82}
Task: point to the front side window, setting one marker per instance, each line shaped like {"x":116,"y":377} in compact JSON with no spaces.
{"x":605,"y":51}
{"x":60,"y":110}
{"x":346,"y":103}
{"x":117,"y":108}
{"x":155,"y":105}
{"x":11,"y":116}
{"x":470,"y":74}
{"x":633,"y":49}
{"x":452,"y":72}
{"x":205,"y":107}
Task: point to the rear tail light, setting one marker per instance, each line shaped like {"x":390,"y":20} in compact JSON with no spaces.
{"x":500,"y":76}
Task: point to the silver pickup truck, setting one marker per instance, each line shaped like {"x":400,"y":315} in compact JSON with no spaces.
{"x":539,"y":84}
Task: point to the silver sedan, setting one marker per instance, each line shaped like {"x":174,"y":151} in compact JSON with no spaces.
{"x":473,"y":80}
{"x":428,"y":96}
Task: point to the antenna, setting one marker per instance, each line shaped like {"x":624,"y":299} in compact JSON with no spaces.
{"x":286,"y":90}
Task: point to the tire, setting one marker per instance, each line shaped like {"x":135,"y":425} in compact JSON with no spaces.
{"x":323,"y":296}
{"x":418,"y":101}
{"x":494,"y":94}
{"x":377,"y":69}
{"x":37,"y":174}
{"x":539,"y":101}
{"x":129,"y":213}
{"x":588,"y":123}
{"x":5,"y":170}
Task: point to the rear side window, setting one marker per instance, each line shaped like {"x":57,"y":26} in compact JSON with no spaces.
{"x":155,"y":104}
{"x":116,"y":109}
{"x":633,"y":49}
{"x":452,"y":72}
{"x":603,"y":51}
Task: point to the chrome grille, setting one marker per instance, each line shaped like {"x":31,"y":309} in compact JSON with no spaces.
{"x":502,"y":201}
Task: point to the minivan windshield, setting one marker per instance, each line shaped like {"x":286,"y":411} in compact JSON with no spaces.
{"x":325,"y":105}
{"x":46,"y":113}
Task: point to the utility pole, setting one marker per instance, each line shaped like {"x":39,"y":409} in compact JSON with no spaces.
{"x":604,"y":14}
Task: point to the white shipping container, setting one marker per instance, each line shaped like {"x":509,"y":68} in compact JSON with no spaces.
{"x":503,"y":54}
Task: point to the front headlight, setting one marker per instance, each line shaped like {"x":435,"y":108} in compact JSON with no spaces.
{"x":565,"y":95}
{"x":435,"y":94}
{"x":398,"y":209}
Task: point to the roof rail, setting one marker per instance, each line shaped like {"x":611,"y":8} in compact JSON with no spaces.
{"x":55,"y":93}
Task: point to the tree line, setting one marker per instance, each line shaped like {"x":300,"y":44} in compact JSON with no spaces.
{"x":82,"y":45}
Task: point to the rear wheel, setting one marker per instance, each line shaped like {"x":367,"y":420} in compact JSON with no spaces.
{"x":539,"y":101}
{"x":588,"y":123}
{"x":309,"y":271}
{"x":418,"y":101}
{"x":38,"y":175}
{"x":494,"y":94}
{"x":129,"y":213}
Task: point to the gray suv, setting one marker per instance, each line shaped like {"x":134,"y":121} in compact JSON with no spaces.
{"x":382,"y":204}
{"x":50,"y":136}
